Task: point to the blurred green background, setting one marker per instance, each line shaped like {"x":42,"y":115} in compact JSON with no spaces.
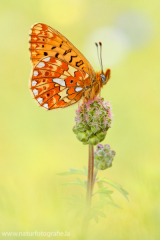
{"x":36,"y":144}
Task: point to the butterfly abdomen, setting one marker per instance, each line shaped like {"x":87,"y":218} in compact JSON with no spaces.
{"x":92,"y":87}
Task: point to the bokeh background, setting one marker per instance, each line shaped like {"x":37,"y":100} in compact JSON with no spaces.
{"x":36,"y":144}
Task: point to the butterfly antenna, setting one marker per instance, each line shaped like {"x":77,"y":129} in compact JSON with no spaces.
{"x":99,"y":55}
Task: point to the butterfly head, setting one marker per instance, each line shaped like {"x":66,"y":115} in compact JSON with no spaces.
{"x":104,"y":77}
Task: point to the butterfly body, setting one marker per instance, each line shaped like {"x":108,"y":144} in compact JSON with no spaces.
{"x":61,"y":75}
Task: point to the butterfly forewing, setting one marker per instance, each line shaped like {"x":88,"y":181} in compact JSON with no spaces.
{"x":57,"y":84}
{"x":46,"y":41}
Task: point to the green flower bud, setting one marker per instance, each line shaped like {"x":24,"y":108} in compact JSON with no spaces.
{"x":103,"y":156}
{"x":113,"y":152}
{"x":85,"y":143}
{"x":75,"y":130}
{"x":106,"y":146}
{"x":93,"y":129}
{"x":89,"y":133}
{"x":93,"y":141}
{"x":101,"y":135}
{"x":102,"y":166}
{"x":93,"y":118}
{"x":109,"y":164}
{"x":80,"y":127}
{"x":101,"y":139}
{"x":82,"y":136}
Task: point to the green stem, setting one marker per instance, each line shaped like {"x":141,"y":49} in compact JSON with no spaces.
{"x":90,"y":176}
{"x":90,"y":183}
{"x":94,"y":177}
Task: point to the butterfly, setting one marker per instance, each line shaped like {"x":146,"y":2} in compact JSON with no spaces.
{"x":61,"y":75}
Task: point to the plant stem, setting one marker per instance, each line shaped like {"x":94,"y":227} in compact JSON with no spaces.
{"x":90,"y":184}
{"x":90,"y":176}
{"x":94,"y":177}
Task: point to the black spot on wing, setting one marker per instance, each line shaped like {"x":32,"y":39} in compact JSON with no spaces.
{"x":71,"y":58}
{"x":78,"y":64}
{"x":56,"y":55}
{"x":67,"y":51}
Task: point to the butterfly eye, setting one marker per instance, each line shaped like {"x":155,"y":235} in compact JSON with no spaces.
{"x":71,"y":81}
{"x":103,"y":78}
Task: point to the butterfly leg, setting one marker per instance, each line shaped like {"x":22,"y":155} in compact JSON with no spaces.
{"x":99,"y":89}
{"x":83,"y":104}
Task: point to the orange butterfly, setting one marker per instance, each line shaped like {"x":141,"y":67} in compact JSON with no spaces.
{"x":61,"y":75}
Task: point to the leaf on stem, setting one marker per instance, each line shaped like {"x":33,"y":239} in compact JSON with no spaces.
{"x":77,"y":204}
{"x":100,"y":213}
{"x":75,"y":198}
{"x":103,"y":202}
{"x":96,"y":218}
{"x":75,"y":171}
{"x":115,"y":185}
{"x":105,"y":192}
{"x":78,"y":182}
{"x":95,"y":212}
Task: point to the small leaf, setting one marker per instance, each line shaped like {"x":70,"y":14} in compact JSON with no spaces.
{"x":69,"y":210}
{"x":74,"y":171}
{"x":103,"y":190}
{"x":78,"y":213}
{"x":114,"y":204}
{"x":96,"y":218}
{"x":85,"y":182}
{"x":104,"y":202}
{"x":75,"y":198}
{"x":100,"y":213}
{"x":106,"y":195}
{"x":79,"y":182}
{"x":115,"y":185}
{"x":70,"y":183}
{"x":86,"y":170}
{"x":124,"y":191}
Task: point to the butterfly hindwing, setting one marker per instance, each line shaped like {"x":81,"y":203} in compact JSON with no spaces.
{"x":46,"y":41}
{"x":57,"y":84}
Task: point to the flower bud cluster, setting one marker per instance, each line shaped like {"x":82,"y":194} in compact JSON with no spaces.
{"x":93,"y":119}
{"x":103,"y":156}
